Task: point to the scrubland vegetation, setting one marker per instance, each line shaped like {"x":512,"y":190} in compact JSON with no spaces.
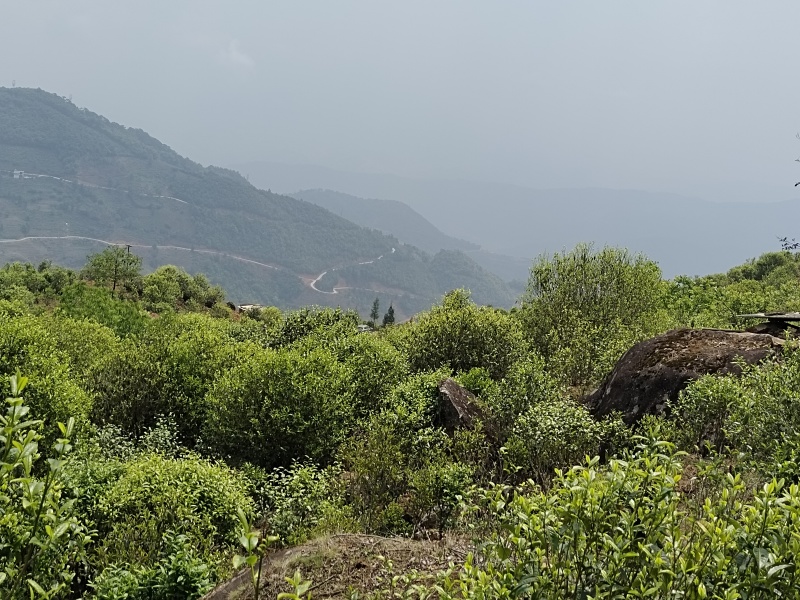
{"x":153,"y":439}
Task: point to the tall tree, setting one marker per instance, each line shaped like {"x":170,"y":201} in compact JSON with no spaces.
{"x":115,"y":265}
{"x":375,"y":314}
{"x":388,"y":318}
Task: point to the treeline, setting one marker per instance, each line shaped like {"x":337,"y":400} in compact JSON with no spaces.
{"x":192,"y":434}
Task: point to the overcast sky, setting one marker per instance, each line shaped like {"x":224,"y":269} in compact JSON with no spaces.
{"x":695,"y":97}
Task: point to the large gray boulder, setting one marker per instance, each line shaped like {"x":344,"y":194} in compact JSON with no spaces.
{"x":653,"y":372}
{"x":458,"y":407}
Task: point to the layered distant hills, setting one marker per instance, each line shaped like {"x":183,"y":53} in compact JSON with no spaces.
{"x":684,"y":235}
{"x":389,"y":216}
{"x":71,"y":181}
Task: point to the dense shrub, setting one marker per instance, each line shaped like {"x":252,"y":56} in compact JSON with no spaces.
{"x":170,"y":288}
{"x":132,"y":505}
{"x":168,"y":369}
{"x":585,"y":307}
{"x":626,"y":530}
{"x":405,"y":471}
{"x":749,"y":413}
{"x":715,"y":301}
{"x":278,"y":405}
{"x":373,"y":367}
{"x":555,"y":434}
{"x":300,"y":501}
{"x":82,"y":301}
{"x":299,"y":323}
{"x":527,"y":383}
{"x":52,"y":391}
{"x":460,"y":335}
{"x":178,"y":573}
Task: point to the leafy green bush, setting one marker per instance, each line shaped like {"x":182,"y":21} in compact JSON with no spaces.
{"x":85,"y":343}
{"x":179,"y":573}
{"x":460,"y":335}
{"x":82,"y":301}
{"x":750,"y":412}
{"x":133,"y":504}
{"x":626,"y":530}
{"x":554,"y":434}
{"x":404,"y":470}
{"x":41,"y":537}
{"x":170,"y":288}
{"x":278,"y":405}
{"x":300,"y":501}
{"x":52,"y":392}
{"x":372,"y":366}
{"x":527,"y":383}
{"x":299,"y":323}
{"x":583,"y":308}
{"x":167,"y":370}
{"x":716,"y":301}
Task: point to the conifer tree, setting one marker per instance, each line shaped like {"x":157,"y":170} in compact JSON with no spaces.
{"x":375,"y":313}
{"x":388,"y":318}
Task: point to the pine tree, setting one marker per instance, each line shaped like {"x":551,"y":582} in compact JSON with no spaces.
{"x":375,"y":314}
{"x":388,"y":318}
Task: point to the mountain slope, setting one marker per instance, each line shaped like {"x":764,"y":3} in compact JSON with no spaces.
{"x":79,"y":180}
{"x":389,"y":216}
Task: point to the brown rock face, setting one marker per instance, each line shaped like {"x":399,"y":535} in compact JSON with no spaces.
{"x":654,"y":371}
{"x":458,"y":407}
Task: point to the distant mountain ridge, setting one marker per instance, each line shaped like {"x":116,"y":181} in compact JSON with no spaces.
{"x":71,"y":179}
{"x":403,"y":222}
{"x":389,"y":216}
{"x":685,"y":235}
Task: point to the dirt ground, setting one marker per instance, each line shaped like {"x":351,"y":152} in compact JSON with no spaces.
{"x":339,"y":565}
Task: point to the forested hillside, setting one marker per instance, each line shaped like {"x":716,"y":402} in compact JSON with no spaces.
{"x":71,"y":180}
{"x":451,"y":456}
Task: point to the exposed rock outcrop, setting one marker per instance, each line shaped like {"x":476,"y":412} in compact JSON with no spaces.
{"x":458,"y":407}
{"x":654,"y":371}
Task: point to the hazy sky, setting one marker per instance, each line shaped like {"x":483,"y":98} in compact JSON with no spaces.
{"x":690,"y":96}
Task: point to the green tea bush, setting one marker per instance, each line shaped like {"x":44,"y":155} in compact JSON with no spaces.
{"x":625,"y":530}
{"x":179,"y":572}
{"x":299,"y":323}
{"x":300,"y":501}
{"x":278,"y":405}
{"x":170,"y":288}
{"x":133,"y":504}
{"x":527,"y":383}
{"x":41,"y":536}
{"x":52,"y":392}
{"x":167,"y":370}
{"x":748,"y":413}
{"x":85,"y":343}
{"x":461,"y":335}
{"x":373,"y":367}
{"x":404,"y":471}
{"x":716,"y":301}
{"x":585,"y":307}
{"x":555,"y":434}
{"x":82,"y":301}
